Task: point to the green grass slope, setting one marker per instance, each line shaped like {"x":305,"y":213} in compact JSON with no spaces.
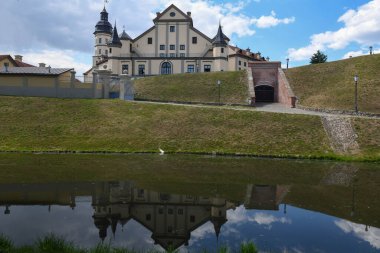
{"x":42,"y":124}
{"x":331,"y":85}
{"x":195,"y":87}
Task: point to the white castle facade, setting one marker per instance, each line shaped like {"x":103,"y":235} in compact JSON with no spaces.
{"x":171,"y":46}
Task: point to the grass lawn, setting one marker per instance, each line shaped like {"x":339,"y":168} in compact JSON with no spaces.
{"x":195,"y":87}
{"x":331,"y":85}
{"x":43,"y":124}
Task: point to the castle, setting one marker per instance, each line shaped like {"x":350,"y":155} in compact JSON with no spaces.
{"x":171,"y":46}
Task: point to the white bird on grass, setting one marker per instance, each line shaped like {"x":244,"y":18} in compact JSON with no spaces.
{"x":161,"y":151}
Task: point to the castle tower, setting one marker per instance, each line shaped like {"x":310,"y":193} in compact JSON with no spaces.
{"x":220,"y":50}
{"x":126,"y":40}
{"x":103,"y":33}
{"x":114,"y":50}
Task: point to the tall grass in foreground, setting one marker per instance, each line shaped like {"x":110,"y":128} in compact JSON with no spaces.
{"x":54,"y":244}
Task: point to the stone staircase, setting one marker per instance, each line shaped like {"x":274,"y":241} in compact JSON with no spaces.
{"x":341,"y":134}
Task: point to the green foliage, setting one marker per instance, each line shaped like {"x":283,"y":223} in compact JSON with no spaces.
{"x":195,"y":87}
{"x":331,"y":85}
{"x":318,"y":57}
{"x":6,"y":244}
{"x":248,"y":248}
{"x":53,"y":244}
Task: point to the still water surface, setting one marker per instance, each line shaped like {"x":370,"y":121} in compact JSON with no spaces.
{"x":191,"y":203}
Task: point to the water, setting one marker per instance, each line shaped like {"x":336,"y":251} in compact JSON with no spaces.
{"x":191,"y":203}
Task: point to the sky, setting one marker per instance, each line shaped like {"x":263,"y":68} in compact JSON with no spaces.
{"x":60,"y":32}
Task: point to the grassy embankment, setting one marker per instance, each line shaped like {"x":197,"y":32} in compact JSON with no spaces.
{"x":331,"y":85}
{"x":195,"y":87}
{"x":42,"y":124}
{"x":52,"y":244}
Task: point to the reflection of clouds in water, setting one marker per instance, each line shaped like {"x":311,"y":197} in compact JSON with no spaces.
{"x":372,"y":235}
{"x":200,"y":233}
{"x":267,"y":219}
{"x":240,"y":215}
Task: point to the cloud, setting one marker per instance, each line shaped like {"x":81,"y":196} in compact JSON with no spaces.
{"x":360,"y":26}
{"x":267,"y":219}
{"x":56,"y":59}
{"x":360,"y":53}
{"x":271,"y":20}
{"x":372,"y":236}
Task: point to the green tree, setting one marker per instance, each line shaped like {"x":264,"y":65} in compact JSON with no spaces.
{"x":318,"y":57}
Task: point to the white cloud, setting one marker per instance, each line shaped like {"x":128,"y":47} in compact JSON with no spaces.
{"x":56,"y":59}
{"x":267,"y":219}
{"x":361,"y":26}
{"x":372,"y":236}
{"x":271,"y":20}
{"x":360,"y":53}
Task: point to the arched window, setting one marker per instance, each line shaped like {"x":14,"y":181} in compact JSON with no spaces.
{"x":166,"y":68}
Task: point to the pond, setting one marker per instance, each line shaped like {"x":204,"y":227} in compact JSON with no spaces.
{"x":191,"y":203}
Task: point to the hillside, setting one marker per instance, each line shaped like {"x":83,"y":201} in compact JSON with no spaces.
{"x":331,"y":85}
{"x":195,"y":87}
{"x":43,"y":124}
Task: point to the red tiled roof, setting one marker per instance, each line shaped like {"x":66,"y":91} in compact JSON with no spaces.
{"x":16,"y":63}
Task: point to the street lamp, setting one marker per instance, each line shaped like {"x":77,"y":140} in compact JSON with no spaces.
{"x":356,"y":79}
{"x":287,"y":63}
{"x":219,"y":83}
{"x":370,"y":50}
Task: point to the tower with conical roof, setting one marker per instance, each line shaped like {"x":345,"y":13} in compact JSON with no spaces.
{"x":103,"y":34}
{"x":114,"y":49}
{"x":126,"y":41}
{"x":220,"y":50}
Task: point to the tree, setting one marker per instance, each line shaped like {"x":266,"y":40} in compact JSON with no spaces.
{"x":318,"y":57}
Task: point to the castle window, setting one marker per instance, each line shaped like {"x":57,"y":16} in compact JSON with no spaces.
{"x":195,"y":40}
{"x":182,"y":55}
{"x":162,"y":47}
{"x":125,"y":69}
{"x":170,"y":211}
{"x":172,"y":55}
{"x":182,"y":47}
{"x":172,"y":14}
{"x":239,"y":63}
{"x":100,"y":51}
{"x":172,"y":28}
{"x":150,"y":40}
{"x":110,"y":51}
{"x":162,"y":55}
{"x":207,"y":68}
{"x":106,"y":52}
{"x":160,"y":210}
{"x":192,"y":218}
{"x":180,"y":211}
{"x":222,"y":50}
{"x":148,"y":217}
{"x":100,"y":40}
{"x":172,"y":47}
{"x":245,"y":64}
{"x":141,"y":73}
{"x":190,"y":68}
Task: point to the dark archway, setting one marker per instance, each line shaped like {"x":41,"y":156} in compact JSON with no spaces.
{"x":264,"y":93}
{"x":166,"y":68}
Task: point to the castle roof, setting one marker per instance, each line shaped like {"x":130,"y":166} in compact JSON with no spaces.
{"x":115,"y":38}
{"x":103,"y":26}
{"x":220,"y":38}
{"x":125,"y":36}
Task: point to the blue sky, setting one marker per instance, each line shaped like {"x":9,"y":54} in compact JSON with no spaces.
{"x":59,"y":33}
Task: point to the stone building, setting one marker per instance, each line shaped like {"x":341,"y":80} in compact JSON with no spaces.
{"x":171,"y":46}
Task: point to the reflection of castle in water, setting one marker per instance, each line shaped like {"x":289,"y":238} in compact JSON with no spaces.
{"x":170,"y":217}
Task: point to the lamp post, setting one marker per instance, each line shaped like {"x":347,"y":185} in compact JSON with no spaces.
{"x":219,"y":83}
{"x":370,"y":50}
{"x":287,"y":63}
{"x":356,"y":79}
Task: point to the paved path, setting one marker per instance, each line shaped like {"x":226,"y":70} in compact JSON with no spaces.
{"x":262,"y":107}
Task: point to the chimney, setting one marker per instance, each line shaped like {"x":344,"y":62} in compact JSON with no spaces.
{"x":18,"y":58}
{"x":158,"y":14}
{"x":248,"y":50}
{"x":42,"y":65}
{"x":189,"y":13}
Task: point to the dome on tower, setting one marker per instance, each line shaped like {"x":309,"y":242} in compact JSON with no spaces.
{"x":103,"y":26}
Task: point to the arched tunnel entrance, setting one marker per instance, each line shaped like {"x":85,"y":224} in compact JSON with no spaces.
{"x":264,"y":93}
